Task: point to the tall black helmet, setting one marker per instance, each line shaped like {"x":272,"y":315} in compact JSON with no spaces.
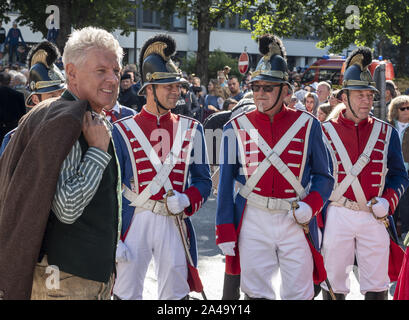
{"x":44,"y":75}
{"x":273,"y":65}
{"x":155,"y":63}
{"x":356,"y":74}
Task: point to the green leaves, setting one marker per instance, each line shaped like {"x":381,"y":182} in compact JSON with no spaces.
{"x":109,"y":15}
{"x":337,"y":24}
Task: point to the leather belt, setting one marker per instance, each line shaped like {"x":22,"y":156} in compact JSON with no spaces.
{"x":156,"y":206}
{"x":273,"y":205}
{"x":349,"y":204}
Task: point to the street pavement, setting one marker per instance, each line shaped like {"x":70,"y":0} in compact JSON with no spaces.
{"x":211,"y":262}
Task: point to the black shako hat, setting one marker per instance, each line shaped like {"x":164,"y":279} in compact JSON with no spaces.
{"x":356,"y":74}
{"x":273,"y":65}
{"x":155,"y":63}
{"x":44,"y":75}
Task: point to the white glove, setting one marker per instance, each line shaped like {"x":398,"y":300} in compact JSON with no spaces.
{"x":381,"y":208}
{"x":178,"y":202}
{"x":228,"y":248}
{"x":303,"y":213}
{"x":122,"y":252}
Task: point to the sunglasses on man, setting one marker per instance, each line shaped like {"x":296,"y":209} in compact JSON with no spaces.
{"x":266,"y":88}
{"x":404,"y":108}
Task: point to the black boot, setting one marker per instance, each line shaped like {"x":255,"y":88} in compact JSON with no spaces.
{"x":231,"y":287}
{"x":370,"y":295}
{"x":327,"y":296}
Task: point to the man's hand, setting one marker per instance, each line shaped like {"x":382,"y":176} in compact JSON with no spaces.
{"x":303,"y":213}
{"x":122,"y":252}
{"x":95,"y":132}
{"x":178,"y":202}
{"x":380,"y":208}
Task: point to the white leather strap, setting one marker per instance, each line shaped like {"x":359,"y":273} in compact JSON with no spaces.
{"x":352,"y":170}
{"x":163,"y":170}
{"x":349,"y":204}
{"x":272,"y":155}
{"x":151,"y":205}
{"x":273,"y":205}
{"x":171,"y":159}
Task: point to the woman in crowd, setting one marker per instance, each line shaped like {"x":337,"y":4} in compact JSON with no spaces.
{"x":323,"y":111}
{"x":215,"y":96}
{"x":311,"y":103}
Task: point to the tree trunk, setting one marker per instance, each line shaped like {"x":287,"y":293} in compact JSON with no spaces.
{"x":65,"y":24}
{"x":203,"y":39}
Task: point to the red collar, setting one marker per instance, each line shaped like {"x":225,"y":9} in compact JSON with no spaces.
{"x":277,"y":117}
{"x":154,"y":118}
{"x":349,"y":123}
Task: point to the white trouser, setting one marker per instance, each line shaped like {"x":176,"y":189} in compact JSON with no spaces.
{"x":269,"y":242}
{"x":349,"y":233}
{"x":154,"y":235}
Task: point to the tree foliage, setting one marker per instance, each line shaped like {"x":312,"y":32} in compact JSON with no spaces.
{"x":337,"y":24}
{"x":283,"y":18}
{"x":216,"y":11}
{"x":4,"y":8}
{"x":217,"y":60}
{"x":204,"y":15}
{"x":109,"y":15}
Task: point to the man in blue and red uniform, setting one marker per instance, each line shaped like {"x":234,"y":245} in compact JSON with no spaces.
{"x":276,"y":158}
{"x":45,"y":79}
{"x":166,"y":179}
{"x":370,"y":179}
{"x":117,"y":111}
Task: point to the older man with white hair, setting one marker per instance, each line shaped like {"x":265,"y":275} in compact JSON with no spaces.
{"x":67,"y":174}
{"x":323,"y":92}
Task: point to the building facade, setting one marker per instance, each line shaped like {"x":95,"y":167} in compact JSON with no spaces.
{"x":228,"y":37}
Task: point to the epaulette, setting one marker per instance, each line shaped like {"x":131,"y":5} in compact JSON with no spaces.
{"x":190,"y":118}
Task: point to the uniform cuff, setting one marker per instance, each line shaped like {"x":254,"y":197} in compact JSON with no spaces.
{"x":225,"y":233}
{"x":99,"y":157}
{"x":195,"y":198}
{"x":314,"y":200}
{"x":393,"y":199}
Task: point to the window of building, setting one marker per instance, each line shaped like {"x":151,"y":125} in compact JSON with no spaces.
{"x":151,"y":19}
{"x":178,"y":23}
{"x":234,"y":22}
{"x":130,"y":19}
